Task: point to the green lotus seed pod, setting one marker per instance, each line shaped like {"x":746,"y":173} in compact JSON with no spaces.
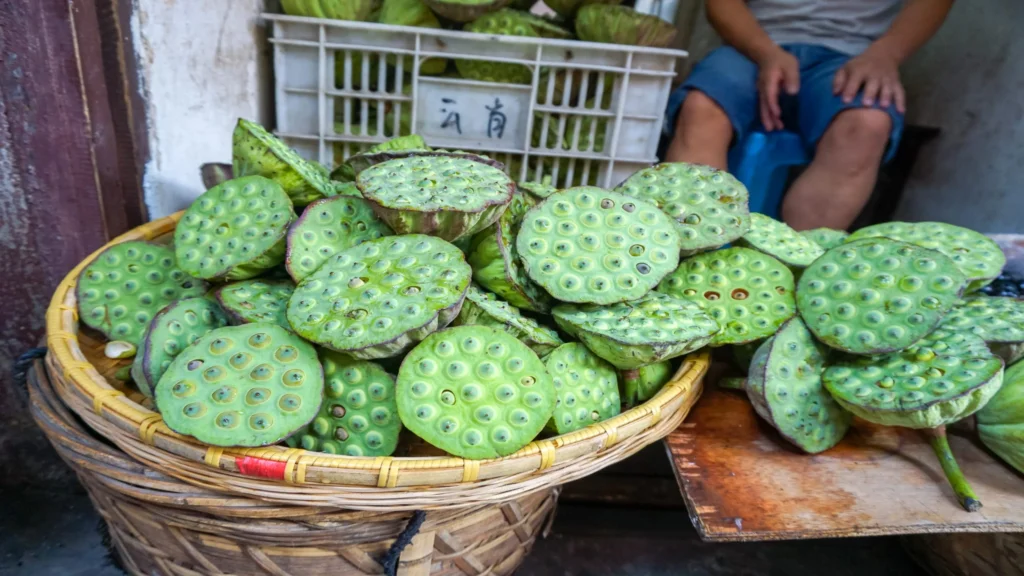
{"x":632,"y":334}
{"x":484,"y":309}
{"x":442,"y":196}
{"x":495,"y":260}
{"x":827,"y":238}
{"x":942,"y":378}
{"x":464,"y":10}
{"x":710,"y":206}
{"x":256,"y":152}
{"x":586,"y":388}
{"x":364,"y":160}
{"x":643,"y":383}
{"x":993,"y":319}
{"x":976,"y":255}
{"x":622,"y":25}
{"x":172,"y":330}
{"x":781,"y":242}
{"x":359,"y":416}
{"x":784,"y":386}
{"x":121,"y":290}
{"x":119,"y":349}
{"x":248,"y":385}
{"x":381,"y":297}
{"x":587,"y":245}
{"x":474,"y":392}
{"x":504,"y":23}
{"x":1001,"y":421}
{"x":539,"y":190}
{"x":877,"y":295}
{"x":327,"y":227}
{"x":346,"y":189}
{"x":412,"y":13}
{"x":748,"y":293}
{"x":568,"y":8}
{"x":256,"y":301}
{"x":235,"y":230}
{"x":545,"y":27}
{"x":358,"y":10}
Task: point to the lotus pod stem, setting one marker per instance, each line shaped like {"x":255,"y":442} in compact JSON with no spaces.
{"x":940,"y":444}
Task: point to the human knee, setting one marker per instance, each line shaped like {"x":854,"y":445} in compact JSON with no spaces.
{"x":699,"y":109}
{"x":862,"y":128}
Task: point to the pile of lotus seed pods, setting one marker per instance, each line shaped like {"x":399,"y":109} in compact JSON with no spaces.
{"x":437,"y":296}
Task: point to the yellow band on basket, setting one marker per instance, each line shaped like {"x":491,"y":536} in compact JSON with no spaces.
{"x":655,"y":414}
{"x":103,"y":396}
{"x":612,"y":434}
{"x":73,"y":309}
{"x":290,"y":464}
{"x":470,"y":470}
{"x":547,"y":455}
{"x":388,"y":476}
{"x":212,"y":457}
{"x":147,"y":429}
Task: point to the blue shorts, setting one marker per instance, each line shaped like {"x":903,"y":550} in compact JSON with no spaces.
{"x":730,"y":79}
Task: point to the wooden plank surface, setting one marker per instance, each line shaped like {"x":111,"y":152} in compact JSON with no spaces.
{"x":742,"y":482}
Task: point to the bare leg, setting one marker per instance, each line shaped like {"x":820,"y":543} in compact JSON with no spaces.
{"x":837,"y":184}
{"x":703,"y":133}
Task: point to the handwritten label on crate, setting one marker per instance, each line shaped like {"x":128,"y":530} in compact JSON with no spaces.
{"x":473,"y":116}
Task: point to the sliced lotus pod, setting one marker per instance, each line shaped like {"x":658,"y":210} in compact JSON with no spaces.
{"x":121,"y":290}
{"x":256,"y":301}
{"x":784,"y":386}
{"x":256,"y":152}
{"x":588,"y":245}
{"x":485,"y":309}
{"x":976,"y":255}
{"x":622,"y":25}
{"x":119,"y":350}
{"x":327,"y":227}
{"x":586,"y":388}
{"x":379,"y":298}
{"x":710,"y":206}
{"x":1001,"y":421}
{"x":495,"y":259}
{"x":944,"y":377}
{"x":996,"y":320}
{"x":640,"y":385}
{"x":442,"y":196}
{"x":539,"y":190}
{"x":474,"y":392}
{"x":249,"y":385}
{"x":235,"y":230}
{"x":827,"y":238}
{"x":503,"y":23}
{"x":568,"y":8}
{"x":748,"y":293}
{"x":877,"y":295}
{"x":464,"y":10}
{"x":778,"y":240}
{"x":359,"y":416}
{"x":172,"y":330}
{"x":359,"y":10}
{"x":364,"y":160}
{"x":632,"y":334}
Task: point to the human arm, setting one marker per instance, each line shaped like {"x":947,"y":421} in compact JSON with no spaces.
{"x":877,"y":68}
{"x":777,"y":69}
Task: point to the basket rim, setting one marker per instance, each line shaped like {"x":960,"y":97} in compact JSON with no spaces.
{"x":86,"y":387}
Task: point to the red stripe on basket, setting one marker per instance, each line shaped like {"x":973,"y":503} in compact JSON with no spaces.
{"x":251,"y":466}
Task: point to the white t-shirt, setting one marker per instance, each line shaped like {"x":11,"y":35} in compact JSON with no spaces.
{"x":847,"y":26}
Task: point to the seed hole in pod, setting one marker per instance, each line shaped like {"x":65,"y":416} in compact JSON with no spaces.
{"x":607,"y":203}
{"x":740,"y":294}
{"x":448,"y":397}
{"x":629,"y":206}
{"x":712,"y":295}
{"x":780,"y":289}
{"x":643,"y":268}
{"x":636,"y":250}
{"x":340,"y":433}
{"x":411,"y":290}
{"x":528,"y":381}
{"x":194,"y":365}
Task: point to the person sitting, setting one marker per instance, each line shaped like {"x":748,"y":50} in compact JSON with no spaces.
{"x":827,"y":70}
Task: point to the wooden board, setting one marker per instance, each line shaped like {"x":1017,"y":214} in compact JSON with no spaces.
{"x":742,"y":482}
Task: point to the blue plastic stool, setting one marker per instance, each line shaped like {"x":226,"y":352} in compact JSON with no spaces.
{"x":762,"y":162}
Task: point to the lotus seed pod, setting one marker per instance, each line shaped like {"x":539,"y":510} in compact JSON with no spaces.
{"x":976,"y":255}
{"x":877,"y":295}
{"x":464,"y":10}
{"x":362,"y":161}
{"x":1001,"y":421}
{"x":539,"y":190}
{"x":249,"y":385}
{"x":474,"y":392}
{"x":568,"y":8}
{"x":942,"y":378}
{"x":358,"y":10}
{"x":213,"y":173}
{"x":172,"y":330}
{"x":632,"y":334}
{"x":545,"y":27}
{"x":121,"y":290}
{"x":495,"y":259}
{"x":586,"y":388}
{"x":784,"y":386}
{"x":1010,"y":353}
{"x":587,"y":245}
{"x":327,"y":227}
{"x":359,"y":416}
{"x":412,"y":13}
{"x":748,"y":293}
{"x":710,"y":206}
{"x":256,"y":301}
{"x":995,"y":320}
{"x":346,"y":189}
{"x":235,"y":230}
{"x":781,"y":242}
{"x":622,"y":25}
{"x":379,"y":298}
{"x":119,"y":349}
{"x":484,"y":309}
{"x":503,"y":23}
{"x":256,"y":152}
{"x":827,"y":238}
{"x":642,"y":384}
{"x":442,"y":196}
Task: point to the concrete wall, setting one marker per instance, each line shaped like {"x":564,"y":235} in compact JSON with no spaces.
{"x":969,"y":81}
{"x":202,"y":64}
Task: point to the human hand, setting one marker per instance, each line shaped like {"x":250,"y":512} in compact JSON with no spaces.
{"x":878,"y":72}
{"x":777,"y":68}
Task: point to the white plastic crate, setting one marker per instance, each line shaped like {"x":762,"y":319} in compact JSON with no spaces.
{"x":330,"y":113}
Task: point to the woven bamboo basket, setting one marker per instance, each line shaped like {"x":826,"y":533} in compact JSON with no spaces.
{"x":83,"y":378}
{"x":968,"y":554}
